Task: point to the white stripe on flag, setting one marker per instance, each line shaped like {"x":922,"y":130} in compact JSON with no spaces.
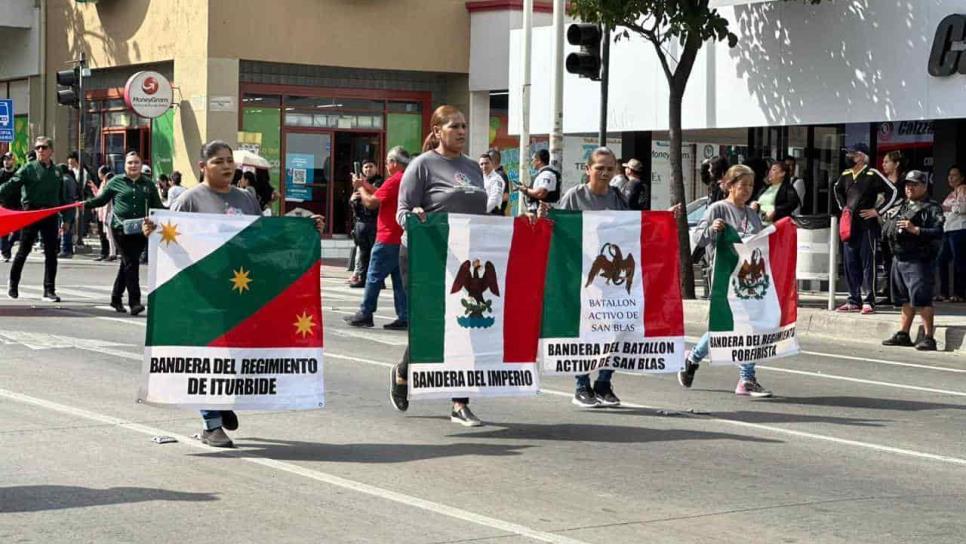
{"x":603,"y":304}
{"x":200,"y":234}
{"x":752,"y":314}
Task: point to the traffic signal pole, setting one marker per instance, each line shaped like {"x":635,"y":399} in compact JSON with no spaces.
{"x":556,"y":99}
{"x":524,"y":161}
{"x":604,"y":75}
{"x":81,"y":66}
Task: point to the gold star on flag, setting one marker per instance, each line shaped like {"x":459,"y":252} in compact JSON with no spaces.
{"x":169,"y":233}
{"x":241,"y":280}
{"x":305,"y":325}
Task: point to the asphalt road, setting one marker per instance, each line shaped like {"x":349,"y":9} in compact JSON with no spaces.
{"x":859,"y":445}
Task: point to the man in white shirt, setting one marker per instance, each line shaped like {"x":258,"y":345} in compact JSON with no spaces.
{"x":546,"y":187}
{"x":493,"y":182}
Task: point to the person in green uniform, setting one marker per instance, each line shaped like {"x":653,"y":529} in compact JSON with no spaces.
{"x":40,"y":186}
{"x":132,"y":195}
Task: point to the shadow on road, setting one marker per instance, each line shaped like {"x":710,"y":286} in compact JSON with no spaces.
{"x":582,"y":432}
{"x":39,"y":498}
{"x":293,"y":450}
{"x":871,"y":403}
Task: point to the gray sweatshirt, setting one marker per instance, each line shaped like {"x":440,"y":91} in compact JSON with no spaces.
{"x":437,"y":184}
{"x":744,"y":220}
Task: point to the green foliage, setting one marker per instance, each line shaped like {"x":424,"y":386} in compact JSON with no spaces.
{"x":658,"y":21}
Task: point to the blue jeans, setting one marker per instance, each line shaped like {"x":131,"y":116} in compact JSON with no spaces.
{"x":583,"y":380}
{"x":745,"y":371}
{"x":953,"y":251}
{"x":212,"y":419}
{"x":383,"y":263}
{"x":6,"y":243}
{"x":67,"y":238}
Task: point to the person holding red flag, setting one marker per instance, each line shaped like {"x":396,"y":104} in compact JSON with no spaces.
{"x":40,"y":185}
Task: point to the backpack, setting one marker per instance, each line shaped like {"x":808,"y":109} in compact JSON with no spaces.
{"x":554,"y":195}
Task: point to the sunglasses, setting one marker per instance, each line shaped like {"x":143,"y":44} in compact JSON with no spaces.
{"x":41,"y":147}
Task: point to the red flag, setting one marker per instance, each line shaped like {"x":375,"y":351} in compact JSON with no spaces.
{"x":13,"y":220}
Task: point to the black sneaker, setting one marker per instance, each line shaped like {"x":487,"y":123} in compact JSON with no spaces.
{"x":229,"y":420}
{"x":397,"y":391}
{"x":465,"y":417}
{"x":137,"y":309}
{"x":358,"y":320}
{"x":101,"y":258}
{"x":118,"y":306}
{"x":605,"y":394}
{"x":928,"y":343}
{"x":51,"y":297}
{"x":397,"y":325}
{"x":585,"y":398}
{"x":898,"y":339}
{"x":686,"y":375}
{"x":216,"y":438}
{"x":13,"y":293}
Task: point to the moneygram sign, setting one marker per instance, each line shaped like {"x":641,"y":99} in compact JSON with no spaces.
{"x":948,"y":54}
{"x":148,"y":94}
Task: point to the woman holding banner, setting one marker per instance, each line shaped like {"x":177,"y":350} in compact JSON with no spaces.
{"x":131,"y":195}
{"x":739,"y":182}
{"x":441,"y":179}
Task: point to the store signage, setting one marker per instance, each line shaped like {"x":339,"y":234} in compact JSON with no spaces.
{"x":6,"y":121}
{"x":148,"y":94}
{"x":948,"y":54}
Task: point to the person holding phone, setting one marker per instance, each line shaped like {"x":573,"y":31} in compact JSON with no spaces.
{"x":132,"y":195}
{"x":364,"y":229}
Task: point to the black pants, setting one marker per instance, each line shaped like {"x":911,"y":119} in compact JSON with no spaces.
{"x":365,"y":235}
{"x":102,"y":234}
{"x":47,"y":230}
{"x":130,"y":246}
{"x":404,"y":362}
{"x":859,"y":258}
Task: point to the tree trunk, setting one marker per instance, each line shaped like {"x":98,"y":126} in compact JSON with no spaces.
{"x":677,"y":188}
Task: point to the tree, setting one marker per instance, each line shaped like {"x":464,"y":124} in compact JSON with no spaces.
{"x":691,"y":23}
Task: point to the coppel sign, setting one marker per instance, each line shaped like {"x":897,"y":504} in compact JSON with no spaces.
{"x":148,"y":94}
{"x":948,"y":55}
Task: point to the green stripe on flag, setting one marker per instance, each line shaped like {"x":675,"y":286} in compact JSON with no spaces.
{"x":201,"y":302}
{"x":428,"y":247}
{"x":725,"y":261}
{"x":561,"y":299}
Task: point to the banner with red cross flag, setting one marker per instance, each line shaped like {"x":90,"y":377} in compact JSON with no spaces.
{"x":234,"y":313}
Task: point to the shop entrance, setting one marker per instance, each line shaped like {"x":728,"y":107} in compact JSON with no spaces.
{"x":350,"y":148}
{"x":117,"y":141}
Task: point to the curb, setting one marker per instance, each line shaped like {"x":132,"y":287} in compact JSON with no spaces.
{"x":842,"y":327}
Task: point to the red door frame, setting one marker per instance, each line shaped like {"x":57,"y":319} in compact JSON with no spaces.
{"x":423,"y":97}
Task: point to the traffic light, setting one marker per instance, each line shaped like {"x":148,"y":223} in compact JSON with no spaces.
{"x":68,"y":92}
{"x":586,"y":62}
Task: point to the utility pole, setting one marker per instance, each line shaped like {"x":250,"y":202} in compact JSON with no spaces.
{"x":524,"y":161}
{"x":556,"y":98}
{"x":604,"y":76}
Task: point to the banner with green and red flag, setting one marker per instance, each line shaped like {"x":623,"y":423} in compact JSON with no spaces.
{"x":14,"y":220}
{"x":754,"y":295}
{"x":476,"y":293}
{"x":234,"y":313}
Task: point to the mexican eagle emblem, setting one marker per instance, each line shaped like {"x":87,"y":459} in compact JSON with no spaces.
{"x":752,"y":280}
{"x":611,"y":265}
{"x":469,"y":279}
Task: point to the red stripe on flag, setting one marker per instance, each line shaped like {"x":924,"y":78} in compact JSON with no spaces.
{"x":783,"y":255}
{"x":663,"y":309}
{"x":525,"y":279}
{"x":293,"y":319}
{"x":14,"y":220}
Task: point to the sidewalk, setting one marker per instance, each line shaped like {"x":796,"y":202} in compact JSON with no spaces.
{"x":815,"y":320}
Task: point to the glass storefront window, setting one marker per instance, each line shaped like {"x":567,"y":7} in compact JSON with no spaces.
{"x":261,"y":100}
{"x":405,"y":107}
{"x":265,"y":121}
{"x":405,"y":129}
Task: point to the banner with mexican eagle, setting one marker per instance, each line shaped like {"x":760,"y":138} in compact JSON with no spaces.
{"x":613,"y":295}
{"x":476,"y":292}
{"x":234,"y":313}
{"x":754,"y":295}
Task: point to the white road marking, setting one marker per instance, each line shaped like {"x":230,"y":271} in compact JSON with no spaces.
{"x":371,"y":337}
{"x":317,"y":475}
{"x":860,"y":380}
{"x":42,"y":341}
{"x":882,"y":361}
{"x":734,"y":422}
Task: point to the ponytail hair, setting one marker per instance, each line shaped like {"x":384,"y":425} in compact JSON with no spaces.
{"x":441,"y":116}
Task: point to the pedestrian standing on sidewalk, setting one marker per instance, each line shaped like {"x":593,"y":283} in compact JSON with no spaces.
{"x":132,"y":196}
{"x":596,"y":195}
{"x":954,"y":238}
{"x":546,"y":186}
{"x":441,"y":179}
{"x":105,"y":215}
{"x":493,"y":182}
{"x":364,"y":230}
{"x":40,"y":186}
{"x":914,"y":231}
{"x":732,"y":211}
{"x":216,"y":195}
{"x":384,"y":261}
{"x":13,"y":203}
{"x":778,"y":199}
{"x":856,"y":192}
{"x":636,"y":191}
{"x":176,"y":189}
{"x":68,"y":218}
{"x":893,"y":171}
{"x":496,"y":158}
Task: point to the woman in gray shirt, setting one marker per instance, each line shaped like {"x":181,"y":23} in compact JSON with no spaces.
{"x":739,"y":182}
{"x":441,"y":179}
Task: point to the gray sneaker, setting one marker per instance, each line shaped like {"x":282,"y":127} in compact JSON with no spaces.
{"x":465,"y":417}
{"x":216,"y":439}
